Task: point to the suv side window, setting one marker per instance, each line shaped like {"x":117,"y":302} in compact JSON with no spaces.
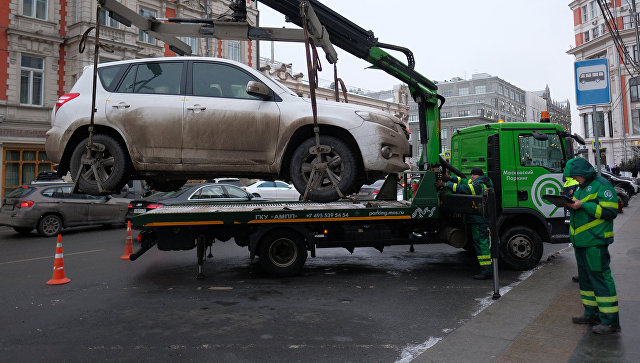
{"x":109,"y":74}
{"x":154,"y":78}
{"x":220,"y":80}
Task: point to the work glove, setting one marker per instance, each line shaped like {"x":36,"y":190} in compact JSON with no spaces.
{"x":440,"y":184}
{"x":446,"y":177}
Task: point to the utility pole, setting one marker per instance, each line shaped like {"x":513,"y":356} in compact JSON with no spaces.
{"x":621,"y":93}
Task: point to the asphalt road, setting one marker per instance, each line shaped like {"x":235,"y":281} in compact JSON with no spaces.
{"x":365,"y":307}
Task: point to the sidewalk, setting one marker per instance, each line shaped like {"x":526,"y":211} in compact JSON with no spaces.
{"x":532,"y":322}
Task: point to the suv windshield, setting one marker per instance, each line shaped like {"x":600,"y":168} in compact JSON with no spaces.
{"x":545,"y":153}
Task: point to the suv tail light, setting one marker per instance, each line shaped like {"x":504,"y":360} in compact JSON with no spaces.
{"x":64,"y":99}
{"x":25,"y":204}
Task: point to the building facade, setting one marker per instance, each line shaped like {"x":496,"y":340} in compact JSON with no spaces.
{"x":40,"y":60}
{"x":485,"y":99}
{"x":618,"y":123}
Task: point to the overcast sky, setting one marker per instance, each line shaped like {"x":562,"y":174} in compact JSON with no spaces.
{"x":523,"y":42}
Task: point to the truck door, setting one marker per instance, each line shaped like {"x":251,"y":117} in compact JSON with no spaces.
{"x":223,"y":124}
{"x":538,"y":171}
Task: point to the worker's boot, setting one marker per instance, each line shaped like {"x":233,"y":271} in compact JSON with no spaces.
{"x":605,"y":329}
{"x":583,"y":319}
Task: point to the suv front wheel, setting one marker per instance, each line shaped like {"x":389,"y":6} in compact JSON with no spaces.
{"x":107,"y":165}
{"x":341,"y":164}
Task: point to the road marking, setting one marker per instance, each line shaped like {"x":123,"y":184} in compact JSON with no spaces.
{"x":42,"y":258}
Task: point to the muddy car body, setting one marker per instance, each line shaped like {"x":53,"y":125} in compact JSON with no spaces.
{"x":167,"y":120}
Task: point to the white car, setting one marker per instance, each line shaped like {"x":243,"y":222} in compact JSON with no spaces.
{"x":274,"y":190}
{"x":167,"y":120}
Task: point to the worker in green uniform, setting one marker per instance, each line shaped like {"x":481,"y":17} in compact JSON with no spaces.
{"x":591,"y":231}
{"x":479,"y":225}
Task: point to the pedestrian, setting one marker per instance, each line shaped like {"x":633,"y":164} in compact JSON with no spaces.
{"x":478,"y":224}
{"x":591,"y":231}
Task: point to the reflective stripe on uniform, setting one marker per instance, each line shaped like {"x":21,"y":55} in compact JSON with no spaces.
{"x":587,"y":293}
{"x":589,"y":197}
{"x":484,"y":256}
{"x":607,"y":299}
{"x":585,"y":227}
{"x":608,"y":234}
{"x":609,"y":205}
{"x":598,"y":213}
{"x":608,"y":309}
{"x":455,"y":186}
{"x":589,"y":302}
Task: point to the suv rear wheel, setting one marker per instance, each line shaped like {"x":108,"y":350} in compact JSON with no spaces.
{"x":110,"y":161}
{"x":342,"y":165}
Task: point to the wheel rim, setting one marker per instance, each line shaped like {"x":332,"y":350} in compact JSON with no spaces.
{"x":104,"y":162}
{"x":335,"y":168}
{"x":283,"y":252}
{"x":50,"y":225}
{"x":519,"y":246}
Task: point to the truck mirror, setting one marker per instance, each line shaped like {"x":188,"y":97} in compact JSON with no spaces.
{"x":578,"y":139}
{"x":540,"y":136}
{"x":258,"y":89}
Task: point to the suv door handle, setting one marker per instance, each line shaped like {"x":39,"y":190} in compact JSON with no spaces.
{"x":121,"y":105}
{"x":196,"y":107}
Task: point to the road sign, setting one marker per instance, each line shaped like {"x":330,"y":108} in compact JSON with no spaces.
{"x":592,"y":82}
{"x":593,"y":145}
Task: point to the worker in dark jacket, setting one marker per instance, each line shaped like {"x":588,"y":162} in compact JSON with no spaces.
{"x":479,"y":225}
{"x":591,"y":230}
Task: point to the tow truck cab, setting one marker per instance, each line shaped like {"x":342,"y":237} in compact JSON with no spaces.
{"x":524,"y":161}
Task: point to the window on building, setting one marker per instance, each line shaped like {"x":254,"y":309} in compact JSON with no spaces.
{"x":480,"y":112}
{"x":21,"y":167}
{"x":627,"y":22}
{"x":585,"y":124}
{"x":463,"y":91}
{"x":595,"y":9}
{"x":481,"y":89}
{"x":610,"y":124}
{"x":585,"y":14}
{"x":445,"y":115}
{"x":500,"y":89}
{"x":595,"y":32}
{"x":233,"y":47}
{"x":599,"y":119}
{"x":494,"y":102}
{"x":635,"y":122}
{"x":413,"y":118}
{"x":142,"y":36}
{"x":586,"y":36}
{"x":35,"y":9}
{"x":603,"y":29}
{"x":634,"y":90}
{"x":479,"y":100}
{"x":31,"y":80}
{"x":106,"y":20}
{"x":443,"y":133}
{"x":464,"y":113}
{"x":447,"y":93}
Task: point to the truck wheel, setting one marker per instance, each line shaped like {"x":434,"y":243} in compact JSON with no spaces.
{"x":342,"y":165}
{"x":520,"y":248}
{"x":50,"y":225}
{"x":111,"y":166}
{"x":282,"y":253}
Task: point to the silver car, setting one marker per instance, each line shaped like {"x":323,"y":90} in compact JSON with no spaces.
{"x":49,"y":208}
{"x":167,"y":120}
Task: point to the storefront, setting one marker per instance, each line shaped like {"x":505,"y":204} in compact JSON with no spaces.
{"x":20,"y":165}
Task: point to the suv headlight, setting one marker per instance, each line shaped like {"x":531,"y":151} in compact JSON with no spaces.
{"x":378,"y":118}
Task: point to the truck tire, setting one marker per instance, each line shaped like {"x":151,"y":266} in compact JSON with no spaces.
{"x":282,"y":253}
{"x":49,"y":225}
{"x":343,"y":164}
{"x":520,"y":248}
{"x":112,"y":170}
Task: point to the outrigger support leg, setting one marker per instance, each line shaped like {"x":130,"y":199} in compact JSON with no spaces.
{"x":201,"y":250}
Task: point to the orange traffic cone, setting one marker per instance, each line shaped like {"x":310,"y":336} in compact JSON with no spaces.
{"x":128,"y":245}
{"x":58,"y":266}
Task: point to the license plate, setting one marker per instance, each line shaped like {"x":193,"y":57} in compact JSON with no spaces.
{"x":140,"y":210}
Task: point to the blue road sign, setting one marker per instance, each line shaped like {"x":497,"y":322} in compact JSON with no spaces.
{"x":592,"y":82}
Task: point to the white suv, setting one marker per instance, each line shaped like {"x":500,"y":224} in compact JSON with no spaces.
{"x":167,"y":120}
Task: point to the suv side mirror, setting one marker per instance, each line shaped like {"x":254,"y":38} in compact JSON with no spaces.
{"x":259,"y":90}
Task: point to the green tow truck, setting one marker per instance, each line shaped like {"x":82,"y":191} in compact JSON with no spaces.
{"x":282,"y":234}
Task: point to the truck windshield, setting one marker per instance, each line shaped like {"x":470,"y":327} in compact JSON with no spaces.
{"x":544,"y":153}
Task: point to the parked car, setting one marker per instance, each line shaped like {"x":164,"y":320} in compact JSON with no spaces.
{"x":49,"y":208}
{"x":623,"y":182}
{"x":190,"y":193}
{"x":274,"y":190}
{"x":167,"y":120}
{"x":622,"y":196}
{"x":230,"y":181}
{"x":369,"y":191}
